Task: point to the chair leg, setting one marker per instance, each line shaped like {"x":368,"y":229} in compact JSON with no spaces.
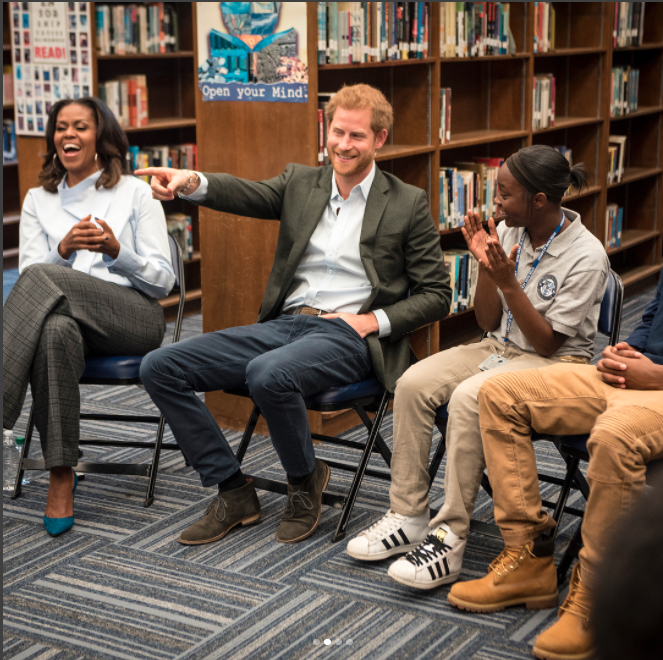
{"x":248,"y":433}
{"x":571,"y":469}
{"x":570,"y":554}
{"x":361,"y":468}
{"x":152,"y":481}
{"x":24,"y":453}
{"x":439,"y":453}
{"x":384,"y":450}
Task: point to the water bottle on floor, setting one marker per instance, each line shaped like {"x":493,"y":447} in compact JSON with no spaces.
{"x":9,"y":461}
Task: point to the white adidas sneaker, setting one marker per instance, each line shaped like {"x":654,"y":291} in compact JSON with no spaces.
{"x":393,"y":534}
{"x":436,"y":561}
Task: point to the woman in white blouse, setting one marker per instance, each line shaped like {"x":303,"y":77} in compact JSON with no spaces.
{"x":94,"y":258}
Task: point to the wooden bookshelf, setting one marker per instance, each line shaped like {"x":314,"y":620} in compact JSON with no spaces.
{"x":491,"y":116}
{"x":10,"y":171}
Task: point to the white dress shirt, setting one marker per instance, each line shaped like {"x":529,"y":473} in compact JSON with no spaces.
{"x":330,"y":275}
{"x":136,"y":219}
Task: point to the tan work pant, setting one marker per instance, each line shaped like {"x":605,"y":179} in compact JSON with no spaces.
{"x":626,"y":432}
{"x":452,"y":377}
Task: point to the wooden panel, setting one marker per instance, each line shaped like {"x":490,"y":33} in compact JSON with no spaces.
{"x":29,"y":156}
{"x":254,"y":141}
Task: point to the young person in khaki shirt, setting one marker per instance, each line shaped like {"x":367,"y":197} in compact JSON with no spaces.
{"x":620,"y":404}
{"x":554,"y":318}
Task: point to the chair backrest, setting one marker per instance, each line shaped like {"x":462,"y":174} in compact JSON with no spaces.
{"x":179,"y":287}
{"x":610,"y":316}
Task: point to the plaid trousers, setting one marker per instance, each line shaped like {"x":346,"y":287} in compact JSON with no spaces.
{"x":53,"y":318}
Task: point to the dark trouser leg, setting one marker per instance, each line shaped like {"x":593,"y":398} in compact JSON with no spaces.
{"x":58,"y":365}
{"x":304,"y":354}
{"x":327,"y":353}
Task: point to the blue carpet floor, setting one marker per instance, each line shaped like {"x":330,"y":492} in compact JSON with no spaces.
{"x":9,"y":278}
{"x":119,"y":586}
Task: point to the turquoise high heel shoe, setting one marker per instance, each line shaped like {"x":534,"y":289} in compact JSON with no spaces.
{"x":57,"y":526}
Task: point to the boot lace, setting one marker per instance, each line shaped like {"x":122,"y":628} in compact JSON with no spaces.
{"x":216,"y":504}
{"x":571,"y":604}
{"x":389,"y":523}
{"x":296,"y":497}
{"x":428,"y":551}
{"x":510,"y":559}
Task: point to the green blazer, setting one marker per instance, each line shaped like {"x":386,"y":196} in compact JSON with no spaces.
{"x":399,"y":248}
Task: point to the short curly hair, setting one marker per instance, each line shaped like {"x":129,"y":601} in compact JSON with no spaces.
{"x":354,"y":97}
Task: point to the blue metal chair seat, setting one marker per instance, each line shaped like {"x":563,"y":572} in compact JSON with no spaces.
{"x":118,"y":370}
{"x":112,"y":368}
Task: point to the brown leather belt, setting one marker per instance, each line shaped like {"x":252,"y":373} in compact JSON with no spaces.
{"x":307,"y":311}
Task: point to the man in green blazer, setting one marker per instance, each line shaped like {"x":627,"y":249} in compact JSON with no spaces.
{"x":358,"y":267}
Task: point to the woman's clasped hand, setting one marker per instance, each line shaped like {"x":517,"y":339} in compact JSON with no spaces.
{"x":86,"y":235}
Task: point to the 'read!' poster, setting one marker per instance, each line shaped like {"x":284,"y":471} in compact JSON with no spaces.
{"x":51,"y":59}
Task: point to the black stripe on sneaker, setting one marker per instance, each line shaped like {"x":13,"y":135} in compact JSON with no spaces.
{"x":432,"y":573}
{"x":394,"y":540}
{"x":386,"y":544}
{"x":405,"y":538}
{"x":439,"y":570}
{"x":446,"y":565}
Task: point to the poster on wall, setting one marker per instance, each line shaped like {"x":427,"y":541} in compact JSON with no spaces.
{"x":51,"y":56}
{"x":252,"y":51}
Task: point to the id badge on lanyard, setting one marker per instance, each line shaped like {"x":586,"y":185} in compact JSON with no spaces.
{"x":537,"y":261}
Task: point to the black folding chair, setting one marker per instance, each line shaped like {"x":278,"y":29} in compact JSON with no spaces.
{"x":368,"y":396}
{"x":571,"y":448}
{"x":118,"y":370}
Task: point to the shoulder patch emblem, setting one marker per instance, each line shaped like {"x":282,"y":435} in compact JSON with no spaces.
{"x":547,"y":287}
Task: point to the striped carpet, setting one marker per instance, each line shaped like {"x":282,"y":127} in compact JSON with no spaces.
{"x":120,"y":586}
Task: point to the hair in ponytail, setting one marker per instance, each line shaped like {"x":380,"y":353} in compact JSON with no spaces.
{"x":540,"y":168}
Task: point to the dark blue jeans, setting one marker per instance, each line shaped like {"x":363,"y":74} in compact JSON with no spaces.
{"x":281,"y":361}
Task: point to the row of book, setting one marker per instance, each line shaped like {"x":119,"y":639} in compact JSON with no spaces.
{"x":543,"y":107}
{"x":614,"y":218}
{"x":474,"y":29}
{"x":616,"y":149}
{"x":624,"y":82}
{"x":179,"y":226}
{"x":629,"y":24}
{"x":323,"y":156}
{"x":179,"y":156}
{"x":352,"y":32}
{"x":127,"y":99}
{"x":544,"y":27}
{"x":445,"y":115}
{"x":463,"y":271}
{"x":136,"y":28}
{"x":7,"y":85}
{"x":468,"y":186}
{"x":8,"y":141}
{"x":568,"y":154}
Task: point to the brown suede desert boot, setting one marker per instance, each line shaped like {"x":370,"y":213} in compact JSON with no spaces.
{"x":304,"y":507}
{"x":516,"y":577}
{"x":570,"y":637}
{"x":227,"y":510}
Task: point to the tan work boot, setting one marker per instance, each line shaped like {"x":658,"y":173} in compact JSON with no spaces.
{"x":239,"y":506}
{"x":516,"y":577}
{"x":570,"y":637}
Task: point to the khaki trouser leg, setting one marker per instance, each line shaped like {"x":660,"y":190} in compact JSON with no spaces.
{"x":624,"y":439}
{"x":565,"y":399}
{"x":420,"y":391}
{"x":465,"y":458}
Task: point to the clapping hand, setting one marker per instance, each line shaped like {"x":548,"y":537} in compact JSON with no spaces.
{"x":500,"y":267}
{"x":167,"y":182}
{"x":477,"y":237}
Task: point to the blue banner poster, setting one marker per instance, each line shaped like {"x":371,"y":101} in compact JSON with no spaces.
{"x":252,"y":51}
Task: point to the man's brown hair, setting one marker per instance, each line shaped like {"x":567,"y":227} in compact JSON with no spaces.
{"x":355,"y":97}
